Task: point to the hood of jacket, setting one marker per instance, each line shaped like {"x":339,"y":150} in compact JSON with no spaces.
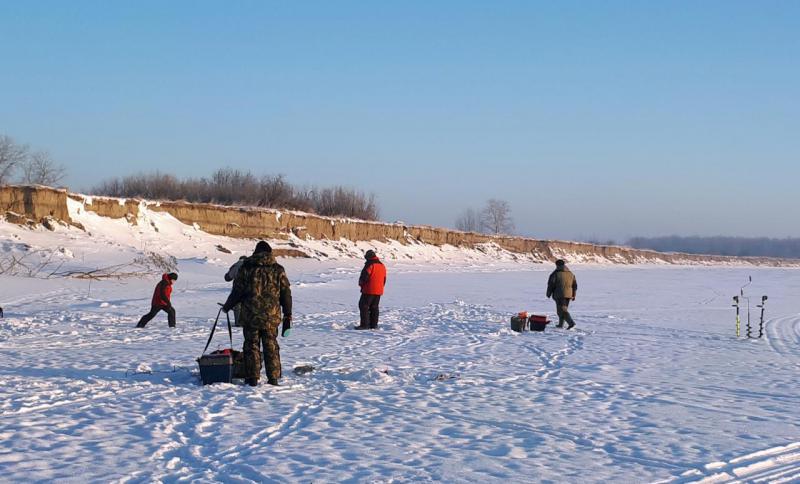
{"x":261,"y":259}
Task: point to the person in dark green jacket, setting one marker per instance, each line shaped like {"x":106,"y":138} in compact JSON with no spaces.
{"x":562,"y":287}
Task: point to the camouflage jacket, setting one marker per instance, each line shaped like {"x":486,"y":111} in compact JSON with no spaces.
{"x":562,"y":284}
{"x":262,"y":288}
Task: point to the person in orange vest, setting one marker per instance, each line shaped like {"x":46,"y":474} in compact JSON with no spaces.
{"x":372,"y":281}
{"x":161,"y":301}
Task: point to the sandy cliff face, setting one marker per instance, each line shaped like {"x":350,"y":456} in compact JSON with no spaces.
{"x":34,"y":202}
{"x":20,"y":203}
{"x":110,"y":207}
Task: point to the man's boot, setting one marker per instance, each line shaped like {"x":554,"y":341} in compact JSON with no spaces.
{"x":251,"y":381}
{"x":359,"y":327}
{"x":570,"y":325}
{"x":272,"y":381}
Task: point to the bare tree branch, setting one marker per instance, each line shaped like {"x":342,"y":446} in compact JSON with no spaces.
{"x":496,"y":217}
{"x":468,"y":221}
{"x":11,"y":154}
{"x":46,"y":267}
{"x":40,"y":169}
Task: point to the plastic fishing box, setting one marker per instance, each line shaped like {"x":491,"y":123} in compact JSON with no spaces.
{"x":538,"y":322}
{"x":216,"y":367}
{"x":518,"y":323}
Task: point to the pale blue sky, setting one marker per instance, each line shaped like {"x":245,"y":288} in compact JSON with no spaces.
{"x":593,"y":119}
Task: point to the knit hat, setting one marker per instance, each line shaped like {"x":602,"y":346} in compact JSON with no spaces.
{"x":262,"y":246}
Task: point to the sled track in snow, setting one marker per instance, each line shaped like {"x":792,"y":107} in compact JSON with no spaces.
{"x":191,"y":453}
{"x":551,"y":362}
{"x":783,"y":336}
{"x":777,"y":465}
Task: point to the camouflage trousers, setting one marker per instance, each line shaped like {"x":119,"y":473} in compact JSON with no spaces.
{"x":256,"y":340}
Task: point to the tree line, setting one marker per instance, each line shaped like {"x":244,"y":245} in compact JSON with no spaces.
{"x":734,"y":246}
{"x":30,"y":167}
{"x":228,"y":186}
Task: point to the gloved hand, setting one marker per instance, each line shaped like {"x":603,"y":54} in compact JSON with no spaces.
{"x":226,"y":308}
{"x":286,"y":328}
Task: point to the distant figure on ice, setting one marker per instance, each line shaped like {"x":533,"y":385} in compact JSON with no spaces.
{"x":161,"y":301}
{"x":230,"y":276}
{"x":562,"y":286}
{"x":1,"y":311}
{"x":372,"y":281}
{"x":262,"y":289}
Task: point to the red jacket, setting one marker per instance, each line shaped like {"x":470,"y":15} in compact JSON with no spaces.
{"x":163,"y":292}
{"x":373,"y":277}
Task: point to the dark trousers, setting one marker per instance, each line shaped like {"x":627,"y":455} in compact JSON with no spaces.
{"x":257,"y":339}
{"x":562,"y":309}
{"x":368,"y":306}
{"x":152,"y":314}
{"x":237,"y":315}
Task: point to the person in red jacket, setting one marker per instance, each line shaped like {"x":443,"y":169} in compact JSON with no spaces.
{"x":161,"y":301}
{"x":372,"y":281}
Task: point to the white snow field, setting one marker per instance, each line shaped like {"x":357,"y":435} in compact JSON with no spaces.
{"x":652,"y":386}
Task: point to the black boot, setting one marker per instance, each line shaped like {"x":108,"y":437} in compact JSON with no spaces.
{"x":272,"y":381}
{"x":251,"y":381}
{"x":359,"y":327}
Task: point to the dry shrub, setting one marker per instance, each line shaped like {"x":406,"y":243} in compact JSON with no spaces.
{"x":227,"y":186}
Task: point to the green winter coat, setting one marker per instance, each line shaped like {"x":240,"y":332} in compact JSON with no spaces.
{"x":562,"y":284}
{"x":262,"y":288}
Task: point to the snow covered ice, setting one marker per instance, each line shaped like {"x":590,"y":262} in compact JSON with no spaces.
{"x":653,"y":385}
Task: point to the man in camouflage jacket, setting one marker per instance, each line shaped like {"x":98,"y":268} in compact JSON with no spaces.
{"x":562,"y":287}
{"x":262,"y":289}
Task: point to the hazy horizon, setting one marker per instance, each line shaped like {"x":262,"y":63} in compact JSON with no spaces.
{"x":594,"y":121}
